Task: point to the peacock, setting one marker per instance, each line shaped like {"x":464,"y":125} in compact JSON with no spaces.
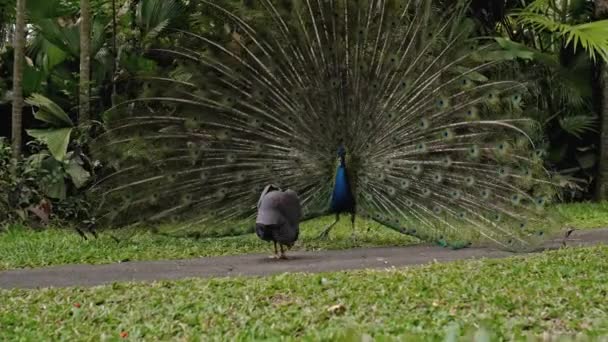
{"x":388,"y":110}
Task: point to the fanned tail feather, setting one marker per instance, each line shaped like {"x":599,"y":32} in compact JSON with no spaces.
{"x":436,"y":149}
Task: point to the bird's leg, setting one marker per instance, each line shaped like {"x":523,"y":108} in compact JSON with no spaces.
{"x":283,"y":256}
{"x":276,"y":252}
{"x":325,"y":232}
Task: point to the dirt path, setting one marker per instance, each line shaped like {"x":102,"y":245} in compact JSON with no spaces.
{"x":324,"y":261}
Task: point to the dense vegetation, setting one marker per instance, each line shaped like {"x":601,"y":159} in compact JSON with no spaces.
{"x":556,"y":46}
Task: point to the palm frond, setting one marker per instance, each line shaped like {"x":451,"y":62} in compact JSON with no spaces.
{"x":592,"y":37}
{"x":579,"y":124}
{"x":154,"y":16}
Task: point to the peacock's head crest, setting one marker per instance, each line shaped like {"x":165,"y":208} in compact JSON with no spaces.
{"x":342,"y":154}
{"x":342,"y":151}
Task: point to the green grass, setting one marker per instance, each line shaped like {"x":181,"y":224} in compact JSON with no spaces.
{"x":559,"y":293}
{"x":585,"y":215}
{"x":22,"y":248}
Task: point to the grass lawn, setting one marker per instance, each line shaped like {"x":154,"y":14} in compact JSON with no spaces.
{"x":21,"y":248}
{"x":585,"y":215}
{"x":559,"y":293}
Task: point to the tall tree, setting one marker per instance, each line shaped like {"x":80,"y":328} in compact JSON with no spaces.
{"x":601,"y":12}
{"x":114,"y":52}
{"x":19,"y":46}
{"x":85,"y":61}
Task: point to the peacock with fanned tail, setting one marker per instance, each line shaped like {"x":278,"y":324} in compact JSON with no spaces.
{"x":381,"y":109}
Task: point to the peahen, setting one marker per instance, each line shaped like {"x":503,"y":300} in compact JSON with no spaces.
{"x":278,"y":219}
{"x":382,"y":109}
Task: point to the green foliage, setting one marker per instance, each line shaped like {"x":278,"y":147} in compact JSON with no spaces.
{"x":548,"y":16}
{"x":19,"y":185}
{"x":58,"y":136}
{"x":38,"y":178}
{"x":43,"y":9}
{"x":560,"y":293}
{"x":577,"y":125}
{"x":155,"y":16}
{"x":51,"y":80}
{"x":61,"y":164}
{"x":557,"y":44}
{"x":57,"y":173}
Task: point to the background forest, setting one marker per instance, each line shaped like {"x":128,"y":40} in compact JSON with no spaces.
{"x":559,"y":48}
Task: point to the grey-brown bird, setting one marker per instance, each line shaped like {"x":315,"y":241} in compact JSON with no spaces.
{"x":278,"y":219}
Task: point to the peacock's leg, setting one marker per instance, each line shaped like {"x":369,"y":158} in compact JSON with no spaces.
{"x":352,"y":221}
{"x":325,"y":233}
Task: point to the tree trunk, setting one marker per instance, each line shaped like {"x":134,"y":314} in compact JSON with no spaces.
{"x":601,"y":12}
{"x":19,"y":46}
{"x":85,"y":61}
{"x":114,"y":53}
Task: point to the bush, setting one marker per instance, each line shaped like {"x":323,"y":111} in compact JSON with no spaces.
{"x":18,"y":186}
{"x":25,"y":186}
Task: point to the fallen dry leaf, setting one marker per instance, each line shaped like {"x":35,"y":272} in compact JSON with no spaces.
{"x":337,"y":309}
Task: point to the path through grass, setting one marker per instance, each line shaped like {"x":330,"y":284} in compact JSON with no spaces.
{"x":558,"y":293}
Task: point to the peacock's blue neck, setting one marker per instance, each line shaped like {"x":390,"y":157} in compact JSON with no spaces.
{"x":342,"y":199}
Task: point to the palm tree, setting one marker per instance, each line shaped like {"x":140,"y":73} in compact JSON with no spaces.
{"x":19,"y":46}
{"x":560,"y":43}
{"x":601,"y":11}
{"x":85,"y":60}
